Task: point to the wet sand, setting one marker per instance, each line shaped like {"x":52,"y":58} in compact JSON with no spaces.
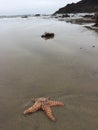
{"x":64,"y":68}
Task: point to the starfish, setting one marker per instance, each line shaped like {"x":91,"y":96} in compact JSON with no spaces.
{"x":44,"y":104}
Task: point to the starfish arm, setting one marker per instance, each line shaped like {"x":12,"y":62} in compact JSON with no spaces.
{"x":48,"y":112}
{"x":55,"y":103}
{"x":34,"y":108}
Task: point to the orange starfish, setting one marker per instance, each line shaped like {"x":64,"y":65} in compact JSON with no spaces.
{"x":43,"y":104}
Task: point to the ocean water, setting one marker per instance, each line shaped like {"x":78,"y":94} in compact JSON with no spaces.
{"x":64,"y":68}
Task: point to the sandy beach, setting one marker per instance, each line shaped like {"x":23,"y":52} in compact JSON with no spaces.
{"x":64,"y":68}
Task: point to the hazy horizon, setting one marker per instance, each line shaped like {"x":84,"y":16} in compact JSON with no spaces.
{"x":17,"y":7}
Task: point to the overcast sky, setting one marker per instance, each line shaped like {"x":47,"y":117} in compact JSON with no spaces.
{"x":31,"y":6}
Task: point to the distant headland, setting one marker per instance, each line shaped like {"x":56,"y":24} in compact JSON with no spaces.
{"x":83,"y":6}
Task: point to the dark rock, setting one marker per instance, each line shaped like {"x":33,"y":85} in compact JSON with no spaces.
{"x":96,"y":21}
{"x":83,"y":6}
{"x":47,"y":35}
{"x":37,"y":15}
{"x":24,"y":16}
{"x":88,"y":16}
{"x":65,"y":16}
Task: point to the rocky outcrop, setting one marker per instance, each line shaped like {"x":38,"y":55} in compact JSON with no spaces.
{"x":83,"y":6}
{"x":96,"y":21}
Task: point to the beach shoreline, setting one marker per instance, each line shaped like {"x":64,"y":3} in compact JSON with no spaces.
{"x":64,"y":68}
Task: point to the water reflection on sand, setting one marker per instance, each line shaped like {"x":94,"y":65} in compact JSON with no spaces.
{"x":64,"y":68}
